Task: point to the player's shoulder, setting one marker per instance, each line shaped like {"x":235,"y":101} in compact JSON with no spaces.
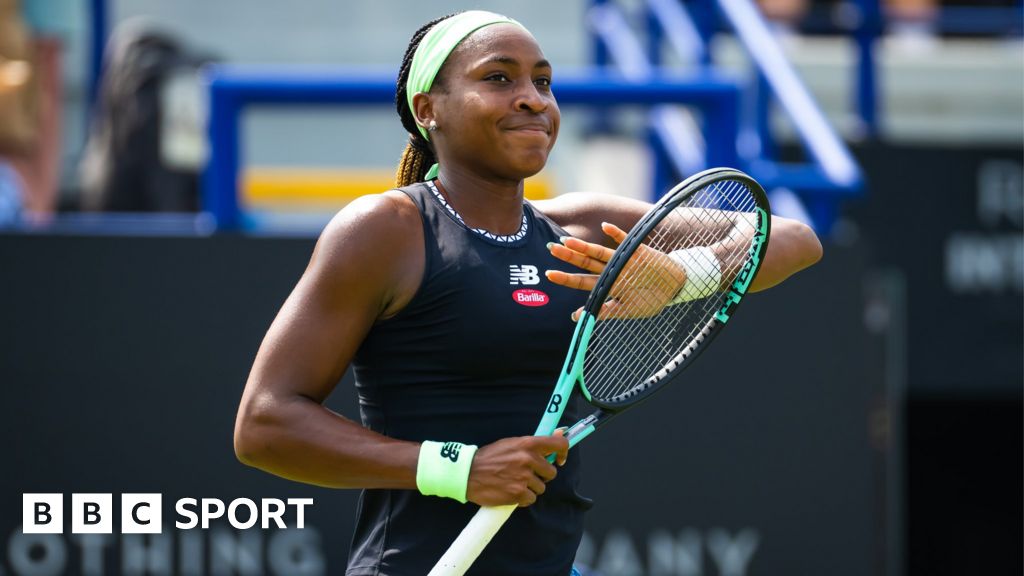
{"x":375,"y":227}
{"x":381,"y":208}
{"x":371,"y":217}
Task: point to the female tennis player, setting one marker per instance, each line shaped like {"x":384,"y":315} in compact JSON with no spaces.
{"x":435,"y":293}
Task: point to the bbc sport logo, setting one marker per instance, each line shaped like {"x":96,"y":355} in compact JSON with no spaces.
{"x":127,"y":534}
{"x":142,"y":513}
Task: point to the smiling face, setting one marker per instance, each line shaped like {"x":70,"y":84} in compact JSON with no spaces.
{"x":493,"y":105}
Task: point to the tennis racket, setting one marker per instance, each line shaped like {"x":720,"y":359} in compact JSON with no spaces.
{"x":669,"y":288}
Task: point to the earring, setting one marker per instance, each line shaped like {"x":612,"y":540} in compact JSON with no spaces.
{"x":432,"y":127}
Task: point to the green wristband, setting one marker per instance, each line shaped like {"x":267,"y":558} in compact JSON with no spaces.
{"x":443,"y":469}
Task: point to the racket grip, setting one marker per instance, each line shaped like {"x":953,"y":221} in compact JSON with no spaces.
{"x":472,"y":540}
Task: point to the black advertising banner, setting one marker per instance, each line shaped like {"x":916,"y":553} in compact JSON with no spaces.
{"x":952,"y":220}
{"x":124,"y":360}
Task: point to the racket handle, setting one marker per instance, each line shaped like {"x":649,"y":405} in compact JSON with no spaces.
{"x":472,"y":540}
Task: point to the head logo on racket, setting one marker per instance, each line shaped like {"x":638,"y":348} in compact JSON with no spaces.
{"x":746,"y":274}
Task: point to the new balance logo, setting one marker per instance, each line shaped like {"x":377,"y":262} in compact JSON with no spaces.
{"x":450,"y":450}
{"x":525,"y":274}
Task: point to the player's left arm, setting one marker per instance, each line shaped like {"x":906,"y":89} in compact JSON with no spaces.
{"x":793,"y":245}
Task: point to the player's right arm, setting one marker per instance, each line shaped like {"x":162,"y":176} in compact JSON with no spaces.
{"x":359,"y":270}
{"x":366,"y":266}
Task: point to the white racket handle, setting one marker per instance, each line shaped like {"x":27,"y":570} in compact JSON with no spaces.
{"x":472,"y":540}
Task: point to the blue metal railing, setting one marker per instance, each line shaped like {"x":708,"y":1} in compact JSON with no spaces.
{"x":947,"y":19}
{"x":981,"y":20}
{"x":865,"y":34}
{"x":681,"y":143}
{"x":828,"y":150}
{"x":233,"y":88}
{"x":675,"y":136}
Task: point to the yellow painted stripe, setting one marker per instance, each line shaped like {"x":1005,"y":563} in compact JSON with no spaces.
{"x":321,"y":187}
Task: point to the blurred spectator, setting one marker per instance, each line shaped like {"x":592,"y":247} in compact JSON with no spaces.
{"x":905,"y":16}
{"x":785,"y":14}
{"x":31,"y":102}
{"x":920,"y":10}
{"x":146,"y":140}
{"x":912,"y":18}
{"x":18,"y":100}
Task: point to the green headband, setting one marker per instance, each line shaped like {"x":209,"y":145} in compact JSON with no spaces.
{"x":438,"y":43}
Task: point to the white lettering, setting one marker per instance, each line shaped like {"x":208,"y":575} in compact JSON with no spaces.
{"x":191,"y":554}
{"x":236,"y":552}
{"x":668,"y":556}
{"x":254,"y":514}
{"x":618,"y":556}
{"x":689,"y":560}
{"x":275,"y":514}
{"x":682,"y":554}
{"x":288,"y":552}
{"x":212,"y":508}
{"x":1001,"y":193}
{"x":269,"y":512}
{"x":675,"y":557}
{"x":661,"y":554}
{"x":978,"y":263}
{"x":300,"y":504}
{"x":139,"y":557}
{"x":732,"y":555}
{"x":182,"y":510}
{"x":585,"y":551}
{"x":37,"y":554}
{"x":296,"y":553}
{"x":529,"y":297}
{"x":93,"y":547}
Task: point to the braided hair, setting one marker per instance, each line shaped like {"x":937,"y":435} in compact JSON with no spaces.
{"x":418,"y":156}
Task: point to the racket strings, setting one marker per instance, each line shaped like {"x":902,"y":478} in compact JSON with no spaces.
{"x":657,"y":339}
{"x":655,"y":342}
{"x":654,"y":338}
{"x":699,"y":234}
{"x":642,"y":332}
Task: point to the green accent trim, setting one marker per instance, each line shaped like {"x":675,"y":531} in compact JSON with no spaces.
{"x":432,"y":172}
{"x":581,"y":352}
{"x":572,"y":370}
{"x":443,"y":469}
{"x":746,"y":275}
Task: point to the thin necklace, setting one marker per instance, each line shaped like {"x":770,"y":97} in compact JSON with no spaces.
{"x":519,"y":235}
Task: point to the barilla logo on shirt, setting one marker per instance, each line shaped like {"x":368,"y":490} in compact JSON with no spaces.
{"x":530,"y":297}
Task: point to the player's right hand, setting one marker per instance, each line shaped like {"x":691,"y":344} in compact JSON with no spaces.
{"x":515,"y":470}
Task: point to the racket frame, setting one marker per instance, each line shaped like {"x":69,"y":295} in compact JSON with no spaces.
{"x":736,"y":291}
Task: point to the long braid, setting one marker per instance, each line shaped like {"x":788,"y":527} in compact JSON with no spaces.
{"x":418,"y":156}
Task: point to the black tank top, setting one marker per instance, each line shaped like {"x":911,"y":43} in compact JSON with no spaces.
{"x":472,"y":358}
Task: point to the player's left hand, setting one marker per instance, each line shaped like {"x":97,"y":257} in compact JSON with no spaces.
{"x":651,"y":284}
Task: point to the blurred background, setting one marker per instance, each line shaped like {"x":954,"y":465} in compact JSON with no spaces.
{"x":165,"y":168}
